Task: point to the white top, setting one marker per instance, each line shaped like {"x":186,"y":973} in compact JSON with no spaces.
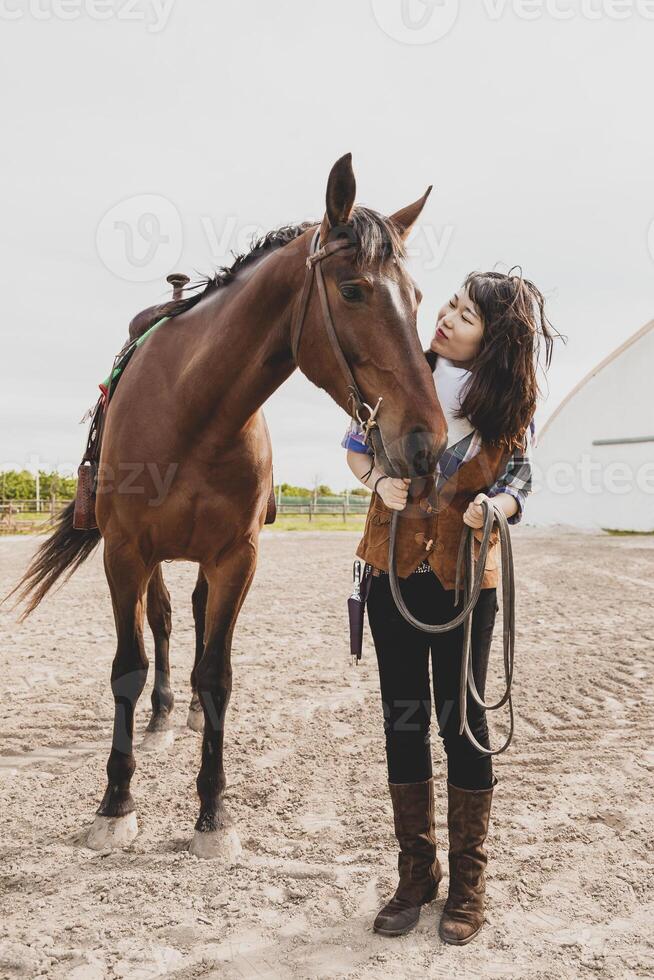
{"x":449,"y":382}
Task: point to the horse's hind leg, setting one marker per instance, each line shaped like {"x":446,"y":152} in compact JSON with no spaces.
{"x":195,"y":719}
{"x":115,"y":824}
{"x":228,"y":583}
{"x":159,"y":733}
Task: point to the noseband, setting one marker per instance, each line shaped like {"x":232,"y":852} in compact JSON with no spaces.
{"x":466,"y":571}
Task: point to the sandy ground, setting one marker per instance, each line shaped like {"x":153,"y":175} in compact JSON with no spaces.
{"x":570,"y":872}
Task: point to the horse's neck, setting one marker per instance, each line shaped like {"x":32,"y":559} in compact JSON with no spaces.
{"x":244,"y":353}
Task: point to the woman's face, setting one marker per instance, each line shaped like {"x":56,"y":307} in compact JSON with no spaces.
{"x":459,"y":329}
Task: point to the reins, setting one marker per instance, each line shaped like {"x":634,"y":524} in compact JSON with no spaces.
{"x":466,"y":571}
{"x":492,"y":513}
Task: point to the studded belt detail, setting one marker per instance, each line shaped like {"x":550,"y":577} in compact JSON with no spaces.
{"x":424,"y":566}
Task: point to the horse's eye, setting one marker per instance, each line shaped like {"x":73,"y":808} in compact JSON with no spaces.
{"x":353,"y":294}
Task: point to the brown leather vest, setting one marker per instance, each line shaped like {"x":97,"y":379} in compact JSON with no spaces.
{"x":431,"y":525}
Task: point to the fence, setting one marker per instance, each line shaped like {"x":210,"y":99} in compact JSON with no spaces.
{"x":16,"y":515}
{"x":342,"y":505}
{"x":22,"y":515}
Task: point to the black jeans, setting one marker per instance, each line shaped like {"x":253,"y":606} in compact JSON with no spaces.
{"x":403,"y":660}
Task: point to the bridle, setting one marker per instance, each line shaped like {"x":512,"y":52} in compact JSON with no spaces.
{"x":466,"y":571}
{"x":313,"y":269}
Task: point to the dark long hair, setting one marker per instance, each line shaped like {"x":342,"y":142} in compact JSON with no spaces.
{"x":500,"y":398}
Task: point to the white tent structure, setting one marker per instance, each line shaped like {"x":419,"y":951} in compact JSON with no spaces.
{"x":594,"y":458}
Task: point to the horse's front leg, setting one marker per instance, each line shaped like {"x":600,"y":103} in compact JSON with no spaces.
{"x":115,"y":824}
{"x":228,"y":585}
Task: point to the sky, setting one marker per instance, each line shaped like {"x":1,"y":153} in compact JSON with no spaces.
{"x":150,"y":136}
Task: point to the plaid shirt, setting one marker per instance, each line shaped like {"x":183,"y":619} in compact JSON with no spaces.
{"x":515,"y":480}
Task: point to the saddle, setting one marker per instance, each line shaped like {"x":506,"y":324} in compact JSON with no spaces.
{"x":148,"y":317}
{"x":87,"y":472}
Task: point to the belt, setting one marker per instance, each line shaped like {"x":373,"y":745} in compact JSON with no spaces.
{"x":424,"y":566}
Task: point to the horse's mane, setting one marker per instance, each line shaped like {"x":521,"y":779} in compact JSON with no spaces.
{"x":377,"y":239}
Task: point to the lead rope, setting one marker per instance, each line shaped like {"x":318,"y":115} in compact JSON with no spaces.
{"x":355,"y":399}
{"x":492,"y":513}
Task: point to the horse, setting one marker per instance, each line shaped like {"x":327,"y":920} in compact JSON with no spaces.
{"x":185,"y":465}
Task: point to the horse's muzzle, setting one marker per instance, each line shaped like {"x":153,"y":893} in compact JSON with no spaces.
{"x":412,"y":454}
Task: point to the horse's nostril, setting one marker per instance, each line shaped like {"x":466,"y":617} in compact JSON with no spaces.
{"x":419,"y":453}
{"x":424,"y":462}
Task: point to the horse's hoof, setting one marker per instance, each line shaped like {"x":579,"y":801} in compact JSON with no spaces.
{"x":157,"y":741}
{"x":195,"y":719}
{"x":112,"y":833}
{"x":216,"y":845}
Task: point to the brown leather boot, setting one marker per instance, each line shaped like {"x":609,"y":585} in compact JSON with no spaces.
{"x":419,"y":867}
{"x":468,"y":812}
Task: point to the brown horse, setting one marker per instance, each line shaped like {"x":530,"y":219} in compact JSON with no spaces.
{"x":185,"y":465}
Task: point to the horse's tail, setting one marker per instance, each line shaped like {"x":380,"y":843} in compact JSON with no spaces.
{"x":64,"y":550}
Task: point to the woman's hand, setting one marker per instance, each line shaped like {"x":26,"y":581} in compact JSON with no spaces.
{"x":474,"y":514}
{"x":394,"y":491}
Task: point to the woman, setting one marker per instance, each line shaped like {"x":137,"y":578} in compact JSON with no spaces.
{"x":484,"y":356}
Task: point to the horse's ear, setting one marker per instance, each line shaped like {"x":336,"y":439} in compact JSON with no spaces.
{"x":341,"y":191}
{"x":407,"y":217}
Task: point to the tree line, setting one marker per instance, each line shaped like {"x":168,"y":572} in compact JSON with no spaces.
{"x":21,"y":485}
{"x":287,"y":490}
